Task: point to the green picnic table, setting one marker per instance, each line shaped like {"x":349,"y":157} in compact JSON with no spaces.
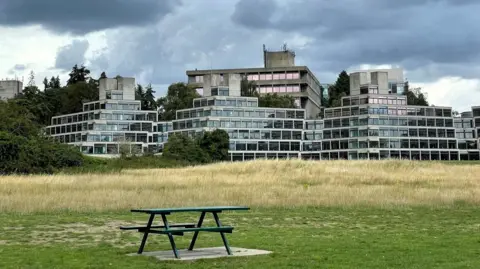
{"x":171,"y":229}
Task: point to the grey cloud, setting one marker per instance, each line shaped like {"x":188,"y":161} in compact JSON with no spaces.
{"x":430,"y":39}
{"x":410,"y":33}
{"x":162,"y":53}
{"x":85,"y":16}
{"x":254,"y":13}
{"x":17,"y":68}
{"x":71,"y":54}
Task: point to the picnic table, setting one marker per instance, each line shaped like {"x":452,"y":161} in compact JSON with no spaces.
{"x":171,"y":229}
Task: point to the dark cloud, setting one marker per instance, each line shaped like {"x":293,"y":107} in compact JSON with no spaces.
{"x":429,"y":38}
{"x":410,"y":33}
{"x":254,"y":13}
{"x":85,"y":16}
{"x":71,"y":54}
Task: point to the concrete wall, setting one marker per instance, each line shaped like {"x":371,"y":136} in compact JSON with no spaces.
{"x":234,"y":84}
{"x":357,"y":79}
{"x":311,"y":110}
{"x":9,"y":88}
{"x":381,"y":79}
{"x":232,"y":81}
{"x":278,"y":59}
{"x":394,"y":74}
{"x":207,"y":85}
{"x":125,"y":85}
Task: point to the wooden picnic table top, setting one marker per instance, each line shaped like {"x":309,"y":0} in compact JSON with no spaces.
{"x":189,"y":209}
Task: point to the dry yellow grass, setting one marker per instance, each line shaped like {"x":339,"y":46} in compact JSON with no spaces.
{"x":257,"y":183}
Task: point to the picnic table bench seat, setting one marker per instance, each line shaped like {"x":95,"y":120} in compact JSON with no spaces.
{"x":186,"y":225}
{"x":223,"y":229}
{"x":179,"y":229}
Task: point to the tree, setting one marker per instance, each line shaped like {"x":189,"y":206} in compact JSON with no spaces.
{"x":248,"y":88}
{"x":45,"y":83}
{"x":78,"y":74}
{"x":275,"y":100}
{"x":139,"y":92}
{"x":31,"y":79}
{"x":179,"y":96}
{"x":215,"y":144}
{"x":338,"y":90}
{"x":103,"y":75}
{"x":148,"y":102}
{"x":181,"y":147}
{"x":415,"y":96}
{"x":23,"y":147}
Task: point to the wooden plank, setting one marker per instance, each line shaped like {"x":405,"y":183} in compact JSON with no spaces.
{"x":186,"y":225}
{"x":190,"y":209}
{"x":224,"y":229}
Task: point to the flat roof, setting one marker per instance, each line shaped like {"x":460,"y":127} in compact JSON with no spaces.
{"x":252,"y":70}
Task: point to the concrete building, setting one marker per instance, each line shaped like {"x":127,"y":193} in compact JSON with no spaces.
{"x":278,"y":75}
{"x":467,"y":137}
{"x":112,"y":124}
{"x":254,"y":132}
{"x":371,"y":123}
{"x":375,"y":122}
{"x":10,"y":88}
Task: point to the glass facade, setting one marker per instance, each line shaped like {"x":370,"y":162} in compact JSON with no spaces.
{"x":110,"y":126}
{"x":254,"y":132}
{"x":365,"y":126}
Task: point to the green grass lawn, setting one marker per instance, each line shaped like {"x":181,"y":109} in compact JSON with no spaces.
{"x":308,"y":238}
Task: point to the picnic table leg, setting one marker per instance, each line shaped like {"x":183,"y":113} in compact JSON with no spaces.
{"x":225,"y":241}
{"x":170,"y":236}
{"x":145,"y":234}
{"x":195,"y":235}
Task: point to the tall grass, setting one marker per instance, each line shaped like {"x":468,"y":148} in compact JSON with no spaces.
{"x":282,"y":183}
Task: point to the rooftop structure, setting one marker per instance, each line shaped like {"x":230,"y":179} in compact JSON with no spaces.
{"x":10,"y":88}
{"x":278,"y":75}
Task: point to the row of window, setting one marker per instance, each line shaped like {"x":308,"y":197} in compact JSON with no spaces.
{"x":277,"y":89}
{"x":354,"y":101}
{"x":235,"y":102}
{"x":390,"y":143}
{"x":274,"y":76}
{"x":388,"y":154}
{"x":112,"y":137}
{"x":140,"y":116}
{"x":394,"y":121}
{"x":389,"y":132}
{"x":265,"y":134}
{"x":244,"y":113}
{"x":71,"y":128}
{"x":387,"y":110}
{"x":262,"y":124}
{"x":264,"y":146}
{"x":109,"y":106}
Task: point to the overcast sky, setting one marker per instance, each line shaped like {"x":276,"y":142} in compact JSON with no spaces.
{"x":437,"y":42}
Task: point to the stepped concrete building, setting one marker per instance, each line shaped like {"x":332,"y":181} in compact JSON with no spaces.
{"x":278,"y":75}
{"x":112,"y":124}
{"x":254,"y":132}
{"x":373,"y":122}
